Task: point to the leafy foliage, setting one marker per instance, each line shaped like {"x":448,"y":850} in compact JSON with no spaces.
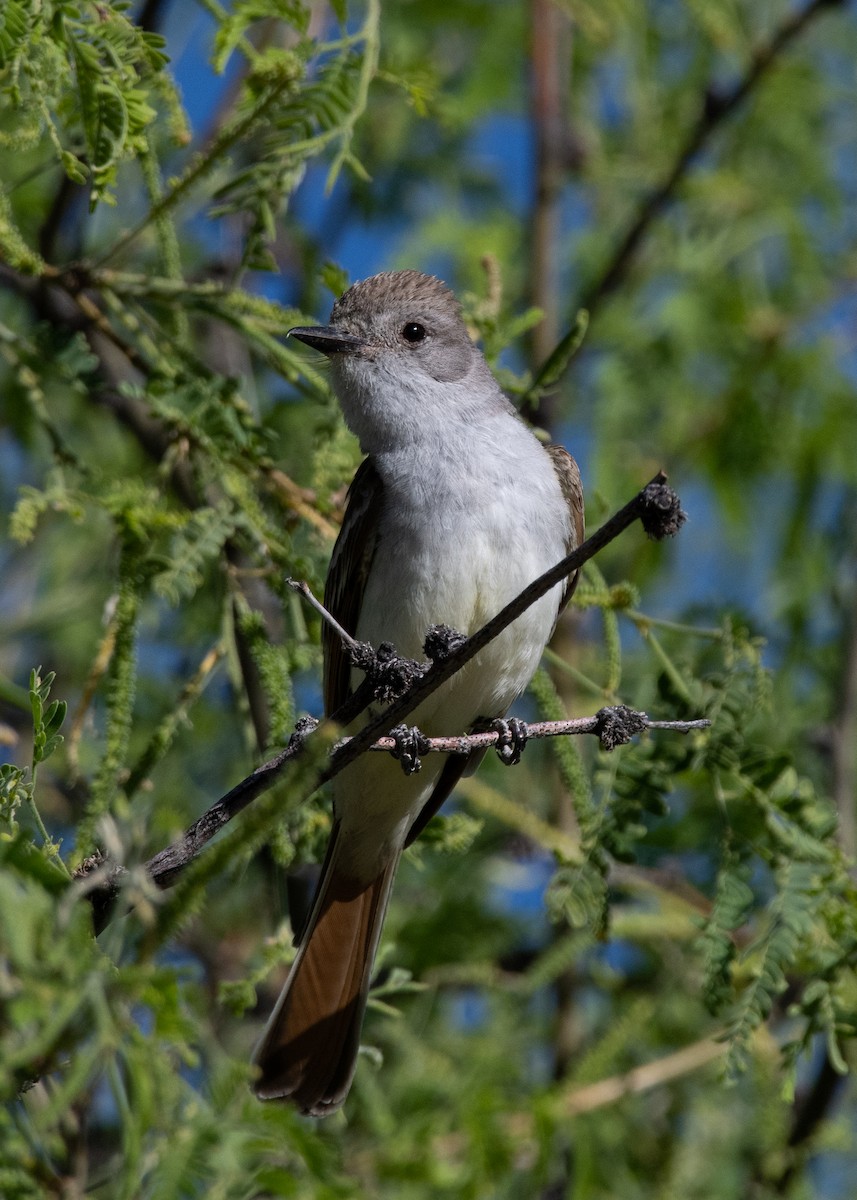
{"x":87,"y":72}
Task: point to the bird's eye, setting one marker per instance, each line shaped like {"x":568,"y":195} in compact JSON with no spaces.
{"x":413,"y":332}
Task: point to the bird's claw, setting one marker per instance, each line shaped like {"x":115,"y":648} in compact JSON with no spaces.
{"x":512,"y":737}
{"x":410,"y":744}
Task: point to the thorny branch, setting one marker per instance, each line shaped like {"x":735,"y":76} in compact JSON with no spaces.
{"x":656,"y":506}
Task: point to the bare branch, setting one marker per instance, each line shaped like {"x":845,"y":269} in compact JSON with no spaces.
{"x":484,"y":740}
{"x":570,"y":1102}
{"x":556,"y":150}
{"x":641,"y":1079}
{"x":167,"y":864}
{"x":303,"y":589}
{"x":165,"y":867}
{"x":843,"y":742}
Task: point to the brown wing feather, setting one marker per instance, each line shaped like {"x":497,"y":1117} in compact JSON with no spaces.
{"x":347,"y":575}
{"x":569,"y":480}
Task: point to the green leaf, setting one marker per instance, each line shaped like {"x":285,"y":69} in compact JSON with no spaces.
{"x":14,"y":26}
{"x":106,"y":125}
{"x":334,"y":278}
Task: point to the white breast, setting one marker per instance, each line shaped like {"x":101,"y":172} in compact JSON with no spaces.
{"x":464,"y":530}
{"x":467,"y":524}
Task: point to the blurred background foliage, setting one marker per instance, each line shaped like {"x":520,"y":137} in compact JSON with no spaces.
{"x":604,"y":975}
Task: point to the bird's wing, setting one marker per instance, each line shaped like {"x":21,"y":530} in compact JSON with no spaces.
{"x":346,"y":577}
{"x":569,"y":480}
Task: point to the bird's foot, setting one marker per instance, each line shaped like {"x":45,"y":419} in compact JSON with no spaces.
{"x":410,"y":744}
{"x":512,"y":737}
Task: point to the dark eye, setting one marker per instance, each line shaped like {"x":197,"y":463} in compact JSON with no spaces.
{"x":413,"y":332}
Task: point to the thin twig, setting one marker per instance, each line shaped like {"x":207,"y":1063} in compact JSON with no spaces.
{"x":298,"y":499}
{"x":467,"y":743}
{"x":641,"y":1079}
{"x":303,"y":588}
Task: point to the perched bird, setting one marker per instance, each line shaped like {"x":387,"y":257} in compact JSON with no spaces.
{"x":455,"y":509}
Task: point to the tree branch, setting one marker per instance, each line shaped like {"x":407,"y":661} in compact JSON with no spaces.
{"x":717,"y":105}
{"x":598,"y":724}
{"x":656,"y":506}
{"x":641,"y":1079}
{"x":567,"y":1103}
{"x":654,"y":501}
{"x":556,"y":150}
{"x":843,"y":734}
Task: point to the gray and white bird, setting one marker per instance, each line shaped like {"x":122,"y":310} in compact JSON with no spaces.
{"x":455,"y":509}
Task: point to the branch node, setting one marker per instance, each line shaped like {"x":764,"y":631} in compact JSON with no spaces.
{"x":90,"y":864}
{"x":661,"y":513}
{"x":617,"y":724}
{"x":410,"y":744}
{"x":362,"y":656}
{"x":441,"y":643}
{"x":390,"y":675}
{"x":304,"y":726}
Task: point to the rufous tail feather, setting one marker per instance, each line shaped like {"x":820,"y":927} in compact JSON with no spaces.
{"x":308,"y":1052}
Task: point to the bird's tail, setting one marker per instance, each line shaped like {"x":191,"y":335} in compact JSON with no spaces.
{"x":308,"y":1052}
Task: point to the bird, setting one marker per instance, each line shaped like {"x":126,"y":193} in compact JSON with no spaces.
{"x":456,"y":507}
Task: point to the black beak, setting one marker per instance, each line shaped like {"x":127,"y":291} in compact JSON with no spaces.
{"x":328,"y":339}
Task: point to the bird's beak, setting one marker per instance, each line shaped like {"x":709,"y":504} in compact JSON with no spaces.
{"x":328,"y":339}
